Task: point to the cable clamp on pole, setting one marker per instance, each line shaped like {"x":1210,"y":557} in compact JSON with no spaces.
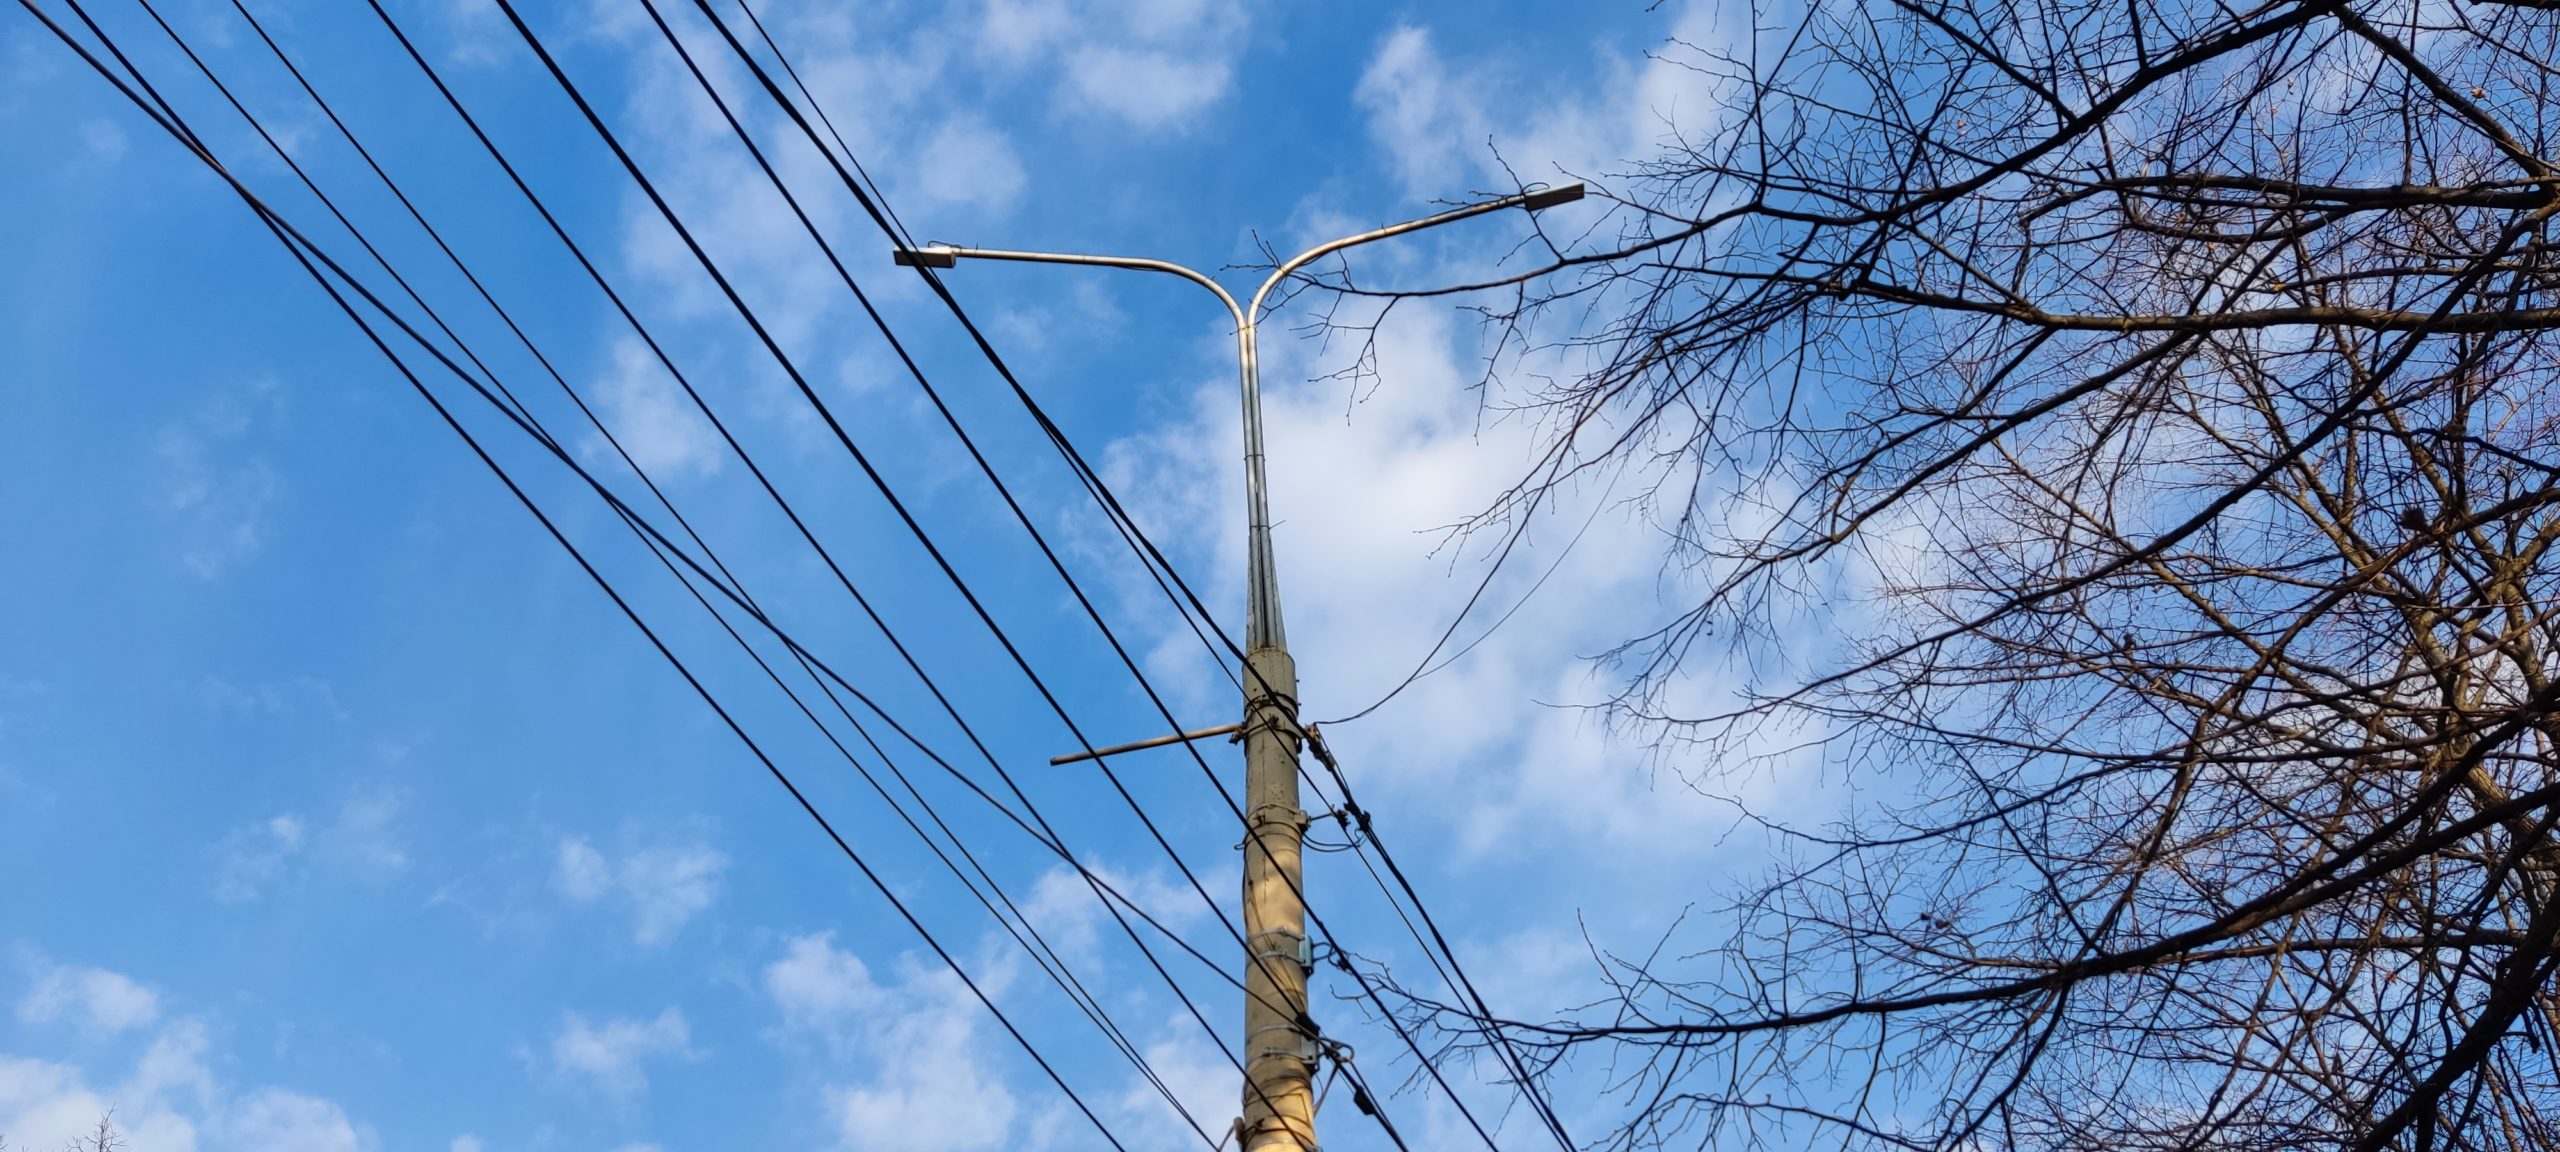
{"x":1244,"y":1137}
{"x":1294,"y":947}
{"x":1287,"y":814}
{"x":1272,"y":718}
{"x":1301,"y":1047}
{"x":1316,"y":744}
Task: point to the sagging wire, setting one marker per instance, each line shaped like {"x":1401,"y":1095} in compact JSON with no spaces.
{"x":1340,"y":1056}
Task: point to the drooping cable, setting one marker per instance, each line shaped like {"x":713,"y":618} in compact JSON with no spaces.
{"x":878,"y":481}
{"x":1149,"y":553}
{"x":512,"y":410}
{"x":1186,"y":589}
{"x":1084,"y":999}
{"x":304,"y":251}
{"x":834,"y":680}
{"x":783,"y":189}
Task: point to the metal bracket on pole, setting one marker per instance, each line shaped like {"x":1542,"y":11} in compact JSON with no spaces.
{"x":1155,"y":742}
{"x":1302,"y":1047}
{"x":1244,"y":1137}
{"x":1299,"y":950}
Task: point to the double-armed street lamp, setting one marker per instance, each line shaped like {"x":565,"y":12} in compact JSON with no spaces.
{"x":1279,"y":1053}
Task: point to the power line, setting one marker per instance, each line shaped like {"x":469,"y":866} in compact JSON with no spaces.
{"x":1035,"y":944}
{"x":800,"y":654}
{"x":1149,"y":553}
{"x":1074,"y":991}
{"x":861,"y":459}
{"x":831,"y":681}
{"x":303,"y":251}
{"x":543,"y":437}
{"x":837,"y":264}
{"x":1107,"y":897}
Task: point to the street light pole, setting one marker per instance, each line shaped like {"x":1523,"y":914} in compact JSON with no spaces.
{"x":1279,"y":1050}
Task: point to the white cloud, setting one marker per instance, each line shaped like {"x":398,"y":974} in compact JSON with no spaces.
{"x":663,"y":886}
{"x":359,"y":842}
{"x":1493,"y":744}
{"x":465,"y":1143}
{"x":105,"y":141}
{"x":1437,"y":122}
{"x":249,"y":699}
{"x":1016,"y":31}
{"x":363,"y":837}
{"x":936,"y":1099}
{"x":820,"y":988}
{"x":609,"y":1058}
{"x":272,"y":1120}
{"x":967,"y":162}
{"x":217,"y":490}
{"x":1199,"y":1076}
{"x":928,"y":1087}
{"x":477,"y":32}
{"x":104,"y":1001}
{"x":1472,"y":743}
{"x":169,"y":1101}
{"x":1146,"y":87}
{"x":46,"y":1105}
{"x":1420,"y":116}
{"x":1151,"y":64}
{"x":251,"y":858}
{"x":581,"y":874}
{"x":1069,"y":914}
{"x":652,"y":418}
{"x":669,"y":886}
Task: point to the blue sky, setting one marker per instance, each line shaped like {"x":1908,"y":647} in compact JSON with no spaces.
{"x":340,"y":811}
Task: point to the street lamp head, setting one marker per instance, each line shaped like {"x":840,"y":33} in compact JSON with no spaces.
{"x":1545,"y":198}
{"x":929,"y":256}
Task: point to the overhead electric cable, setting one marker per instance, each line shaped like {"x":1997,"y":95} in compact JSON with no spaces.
{"x":844,"y":439}
{"x":905,"y":237}
{"x":513,"y":408}
{"x":1084,"y":999}
{"x":303,"y":251}
{"x":887,"y":219}
{"x":1525,"y":1085}
{"x":871,"y":474}
{"x":1109,"y":897}
{"x":666,"y":360}
{"x":1094,"y":485}
{"x":816,"y":235}
{"x":878,"y":481}
{"x":799,"y":652}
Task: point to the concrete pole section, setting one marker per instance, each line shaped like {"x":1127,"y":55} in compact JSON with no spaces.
{"x":1280,"y":1057}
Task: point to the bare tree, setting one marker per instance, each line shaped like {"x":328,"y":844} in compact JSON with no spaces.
{"x":104,"y":1138}
{"x":2158,"y":401}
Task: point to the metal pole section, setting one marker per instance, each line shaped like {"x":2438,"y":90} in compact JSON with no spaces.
{"x":1279,"y":1048}
{"x":1279,"y":1043}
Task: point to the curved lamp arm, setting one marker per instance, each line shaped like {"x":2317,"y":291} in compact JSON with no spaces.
{"x":947,"y":255}
{"x":1536,"y":201}
{"x":1262,"y":620}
